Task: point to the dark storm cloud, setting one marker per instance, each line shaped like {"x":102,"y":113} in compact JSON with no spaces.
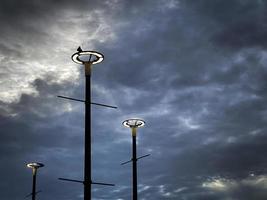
{"x":167,"y":62}
{"x":34,"y":132}
{"x":28,"y":23}
{"x":194,"y":81}
{"x":237,"y":24}
{"x":11,"y":10}
{"x":205,"y":79}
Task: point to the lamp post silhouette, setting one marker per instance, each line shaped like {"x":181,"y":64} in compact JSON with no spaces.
{"x":98,"y":57}
{"x":34,"y":166}
{"x":134,"y":124}
{"x":93,"y":58}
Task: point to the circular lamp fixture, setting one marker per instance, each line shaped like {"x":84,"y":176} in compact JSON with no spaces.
{"x":76,"y":57}
{"x":35,"y":165}
{"x":133,"y":123}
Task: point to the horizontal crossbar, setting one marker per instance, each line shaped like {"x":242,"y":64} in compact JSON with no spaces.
{"x":136,"y":159}
{"x":97,"y":104}
{"x":78,"y":181}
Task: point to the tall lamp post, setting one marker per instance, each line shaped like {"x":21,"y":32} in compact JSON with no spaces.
{"x":34,"y":167}
{"x":94,"y":58}
{"x":134,"y":124}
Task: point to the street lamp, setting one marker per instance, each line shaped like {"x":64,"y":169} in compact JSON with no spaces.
{"x":76,"y":57}
{"x":87,"y":59}
{"x":34,"y":166}
{"x":134,"y":124}
{"x":94,"y":58}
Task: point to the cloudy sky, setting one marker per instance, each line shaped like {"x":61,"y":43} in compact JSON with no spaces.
{"x":195,"y":71}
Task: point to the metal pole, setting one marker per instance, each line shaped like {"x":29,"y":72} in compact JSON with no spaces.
{"x":87,"y":144}
{"x":34,"y":173}
{"x":134,"y":159}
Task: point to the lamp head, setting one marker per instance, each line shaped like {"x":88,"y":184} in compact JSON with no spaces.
{"x":35,"y":165}
{"x":133,"y":123}
{"x":76,"y":57}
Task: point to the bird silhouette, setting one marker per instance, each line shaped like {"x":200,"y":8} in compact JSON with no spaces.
{"x":79,"y":49}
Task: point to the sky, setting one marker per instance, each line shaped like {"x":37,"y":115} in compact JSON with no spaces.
{"x":195,"y":71}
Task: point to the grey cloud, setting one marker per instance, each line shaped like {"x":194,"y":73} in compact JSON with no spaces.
{"x":237,"y":24}
{"x":204,"y":104}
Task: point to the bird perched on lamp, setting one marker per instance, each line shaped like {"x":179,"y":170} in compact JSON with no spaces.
{"x":79,"y":49}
